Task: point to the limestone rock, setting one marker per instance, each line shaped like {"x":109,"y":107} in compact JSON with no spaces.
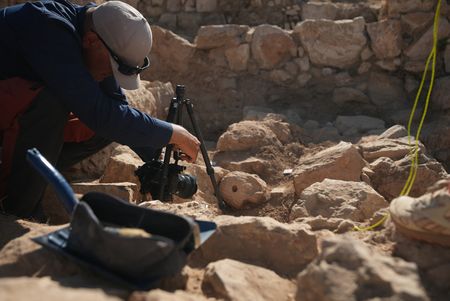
{"x":317,"y":223}
{"x":203,"y":180}
{"x":237,"y":281}
{"x":280,"y":76}
{"x":142,"y":99}
{"x":171,"y":50}
{"x":281,"y":129}
{"x":415,"y":23}
{"x":256,"y":237}
{"x":421,"y":48}
{"x":195,"y":209}
{"x":25,"y":289}
{"x":359,"y":123}
{"x":348,"y":270}
{"x":271,"y":45}
{"x":395,"y":131}
{"x":23,"y":257}
{"x":319,"y":10}
{"x":239,"y":188}
{"x":341,"y":162}
{"x":431,"y":259}
{"x":121,"y":168}
{"x":394,"y":149}
{"x":356,"y":201}
{"x":241,"y":162}
{"x":349,"y":95}
{"x":386,"y":38}
{"x":151,"y":97}
{"x":386,"y":91}
{"x":215,"y":36}
{"x":441,"y":94}
{"x":126,"y":191}
{"x":92,"y":167}
{"x":390,"y":176}
{"x":436,"y":135}
{"x":326,"y":133}
{"x":206,"y":6}
{"x":238,"y":57}
{"x":246,"y":135}
{"x":396,"y":7}
{"x":333,"y":43}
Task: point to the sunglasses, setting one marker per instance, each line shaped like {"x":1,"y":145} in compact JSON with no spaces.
{"x":123,"y":67}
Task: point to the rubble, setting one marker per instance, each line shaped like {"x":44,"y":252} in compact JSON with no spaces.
{"x":309,"y":104}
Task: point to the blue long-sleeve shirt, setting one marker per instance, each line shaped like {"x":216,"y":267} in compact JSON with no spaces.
{"x":41,"y":41}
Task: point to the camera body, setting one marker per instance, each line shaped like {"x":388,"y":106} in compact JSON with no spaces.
{"x":151,"y":178}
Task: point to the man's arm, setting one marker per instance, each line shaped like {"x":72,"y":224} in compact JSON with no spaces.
{"x":55,"y":55}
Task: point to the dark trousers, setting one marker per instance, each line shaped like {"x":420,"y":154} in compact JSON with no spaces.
{"x":41,"y":126}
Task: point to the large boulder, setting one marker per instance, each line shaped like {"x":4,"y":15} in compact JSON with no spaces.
{"x":333,"y":43}
{"x":121,"y":167}
{"x":237,"y":281}
{"x":319,"y":10}
{"x":386,"y":91}
{"x":385,"y":38}
{"x":341,"y":162}
{"x":394,"y":149}
{"x":349,"y":270}
{"x":421,"y":48}
{"x":246,"y":135}
{"x":252,"y":240}
{"x":216,"y":36}
{"x":237,"y":57}
{"x":271,"y":45}
{"x":389,"y":176}
{"x":395,"y":7}
{"x":356,"y":201}
{"x":171,"y":51}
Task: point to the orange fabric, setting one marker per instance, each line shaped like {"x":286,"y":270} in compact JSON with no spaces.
{"x":76,"y":131}
{"x":16,"y":94}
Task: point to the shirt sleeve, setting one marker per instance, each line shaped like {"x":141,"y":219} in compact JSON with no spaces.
{"x":54,"y":53}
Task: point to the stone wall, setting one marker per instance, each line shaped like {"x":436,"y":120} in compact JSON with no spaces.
{"x":186,"y":16}
{"x":319,"y":70}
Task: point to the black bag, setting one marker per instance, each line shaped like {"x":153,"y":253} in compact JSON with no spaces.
{"x":127,"y":243}
{"x":133,"y":245}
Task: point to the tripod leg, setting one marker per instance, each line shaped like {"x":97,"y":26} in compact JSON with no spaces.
{"x":209,"y":168}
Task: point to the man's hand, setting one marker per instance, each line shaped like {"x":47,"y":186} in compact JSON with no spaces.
{"x":186,"y":142}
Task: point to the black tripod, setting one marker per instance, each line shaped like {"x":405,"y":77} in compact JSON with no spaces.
{"x":175,"y":115}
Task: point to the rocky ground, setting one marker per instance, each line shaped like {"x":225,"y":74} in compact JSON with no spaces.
{"x":310,"y":147}
{"x":289,"y":235}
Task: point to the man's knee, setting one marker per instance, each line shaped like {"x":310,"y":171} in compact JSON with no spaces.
{"x":46,"y":108}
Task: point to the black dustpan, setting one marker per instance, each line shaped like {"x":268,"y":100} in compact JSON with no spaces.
{"x":130,"y":245}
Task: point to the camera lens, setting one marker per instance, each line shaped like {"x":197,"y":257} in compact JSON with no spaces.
{"x":186,"y":186}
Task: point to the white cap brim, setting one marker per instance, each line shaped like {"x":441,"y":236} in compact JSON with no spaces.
{"x":127,"y":82}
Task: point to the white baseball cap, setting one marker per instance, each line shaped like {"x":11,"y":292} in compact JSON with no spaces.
{"x":128,"y":37}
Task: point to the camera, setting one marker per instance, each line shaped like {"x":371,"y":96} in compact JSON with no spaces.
{"x":151,"y":178}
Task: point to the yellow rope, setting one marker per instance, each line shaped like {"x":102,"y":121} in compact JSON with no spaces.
{"x":415,"y":150}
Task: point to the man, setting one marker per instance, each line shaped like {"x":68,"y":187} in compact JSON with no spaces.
{"x":61,"y":69}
